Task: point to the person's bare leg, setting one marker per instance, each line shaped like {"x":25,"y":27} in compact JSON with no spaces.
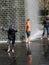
{"x":8,"y":48}
{"x":29,"y":40}
{"x":48,"y":38}
{"x":28,"y":43}
{"x":12,"y":48}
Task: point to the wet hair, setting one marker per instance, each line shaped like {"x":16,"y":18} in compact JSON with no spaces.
{"x":28,"y":19}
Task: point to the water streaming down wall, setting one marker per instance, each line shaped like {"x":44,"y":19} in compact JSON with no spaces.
{"x":32,"y":11}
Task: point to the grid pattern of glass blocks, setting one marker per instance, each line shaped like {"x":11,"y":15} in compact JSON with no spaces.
{"x":12,"y":11}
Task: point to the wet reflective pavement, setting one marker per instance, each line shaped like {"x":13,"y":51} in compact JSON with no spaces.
{"x":17,"y":58}
{"x":39,"y":50}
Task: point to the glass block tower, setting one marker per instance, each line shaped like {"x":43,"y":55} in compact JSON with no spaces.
{"x":12,"y":11}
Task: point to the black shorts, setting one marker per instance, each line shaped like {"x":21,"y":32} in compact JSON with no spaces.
{"x":11,"y":41}
{"x":28,"y":33}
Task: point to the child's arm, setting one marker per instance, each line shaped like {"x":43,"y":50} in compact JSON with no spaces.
{"x":4,"y":29}
{"x":15,"y":30}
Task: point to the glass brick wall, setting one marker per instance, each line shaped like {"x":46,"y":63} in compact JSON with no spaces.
{"x":12,"y":11}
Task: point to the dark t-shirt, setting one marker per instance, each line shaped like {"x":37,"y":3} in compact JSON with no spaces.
{"x":46,"y":22}
{"x":11,"y":34}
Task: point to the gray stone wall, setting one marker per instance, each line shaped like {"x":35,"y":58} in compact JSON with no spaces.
{"x":12,"y":11}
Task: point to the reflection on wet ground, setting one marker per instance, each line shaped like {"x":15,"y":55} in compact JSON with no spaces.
{"x":39,"y":51}
{"x":17,"y":58}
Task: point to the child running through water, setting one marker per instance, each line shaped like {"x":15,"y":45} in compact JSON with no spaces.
{"x":11,"y":37}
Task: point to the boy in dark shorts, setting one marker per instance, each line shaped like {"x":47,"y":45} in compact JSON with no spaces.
{"x":11,"y":37}
{"x":28,"y":32}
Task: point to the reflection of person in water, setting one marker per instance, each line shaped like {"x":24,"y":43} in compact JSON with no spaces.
{"x":28,"y":30}
{"x":11,"y":37}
